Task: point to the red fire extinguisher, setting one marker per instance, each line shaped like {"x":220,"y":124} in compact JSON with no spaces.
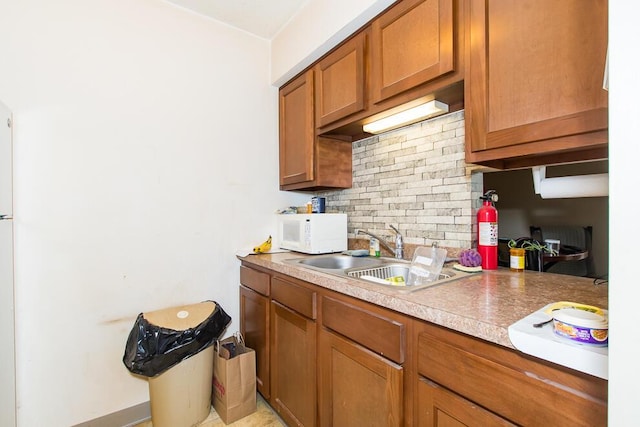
{"x":488,"y":231}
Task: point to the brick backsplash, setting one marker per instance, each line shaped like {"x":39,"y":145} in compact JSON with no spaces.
{"x":416,"y":179}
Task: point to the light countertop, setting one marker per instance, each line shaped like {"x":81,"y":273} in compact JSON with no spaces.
{"x":482,"y":304}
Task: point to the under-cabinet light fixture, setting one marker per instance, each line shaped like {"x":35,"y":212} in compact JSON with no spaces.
{"x":407,"y":117}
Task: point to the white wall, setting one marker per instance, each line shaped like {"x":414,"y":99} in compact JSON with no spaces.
{"x":319,"y":26}
{"x":624,"y":233}
{"x":146,"y":154}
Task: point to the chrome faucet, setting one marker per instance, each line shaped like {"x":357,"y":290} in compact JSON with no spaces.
{"x":398,"y":251}
{"x":399,"y":243}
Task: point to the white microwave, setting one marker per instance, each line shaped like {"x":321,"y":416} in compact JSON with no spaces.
{"x":319,"y":233}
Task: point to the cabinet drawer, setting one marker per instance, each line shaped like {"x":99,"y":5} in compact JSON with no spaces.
{"x":380,"y":334}
{"x":294,"y":296}
{"x":254,"y":279}
{"x":510,"y":384}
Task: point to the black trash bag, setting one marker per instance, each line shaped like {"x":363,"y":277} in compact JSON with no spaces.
{"x":151,"y":349}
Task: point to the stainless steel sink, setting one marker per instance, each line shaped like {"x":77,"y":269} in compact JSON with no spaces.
{"x":397,"y":275}
{"x":339,"y":262}
{"x":371,"y":270}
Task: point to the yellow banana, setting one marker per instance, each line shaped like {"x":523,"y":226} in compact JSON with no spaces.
{"x":263,"y":247}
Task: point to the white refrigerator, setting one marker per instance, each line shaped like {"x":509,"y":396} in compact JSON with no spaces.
{"x":7,"y":318}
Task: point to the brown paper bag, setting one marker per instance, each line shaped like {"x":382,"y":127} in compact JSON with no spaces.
{"x":234,"y":379}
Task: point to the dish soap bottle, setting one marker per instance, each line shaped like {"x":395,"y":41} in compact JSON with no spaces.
{"x":374,"y":247}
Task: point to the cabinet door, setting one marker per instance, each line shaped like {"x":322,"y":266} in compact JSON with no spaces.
{"x":534,"y":77}
{"x":412,"y":44}
{"x":357,"y":387}
{"x":438,"y":407}
{"x":293,"y":366}
{"x":297,"y":131}
{"x":254,"y":327}
{"x":340,"y":81}
{"x":508,"y":383}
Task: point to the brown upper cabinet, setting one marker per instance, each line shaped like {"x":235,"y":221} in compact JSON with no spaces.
{"x":534,"y":82}
{"x":528,"y":73}
{"x":412,"y":44}
{"x":409,"y":45}
{"x":308,"y":162}
{"x":340,"y":81}
{"x":410,"y":54}
{"x":297,"y":131}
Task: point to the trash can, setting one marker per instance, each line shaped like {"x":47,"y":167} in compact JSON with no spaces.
{"x":173,"y":347}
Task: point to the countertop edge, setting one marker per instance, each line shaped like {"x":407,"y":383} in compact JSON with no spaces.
{"x":456,"y":305}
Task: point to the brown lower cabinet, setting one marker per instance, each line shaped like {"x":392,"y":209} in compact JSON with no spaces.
{"x":254,"y":312}
{"x":335,"y":360}
{"x":293,"y":351}
{"x":254,"y":321}
{"x":293,"y":366}
{"x":515,"y":387}
{"x":357,"y":387}
{"x":439,"y":407}
{"x":360,"y":352}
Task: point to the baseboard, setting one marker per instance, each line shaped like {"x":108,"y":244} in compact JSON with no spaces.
{"x":125,"y":418}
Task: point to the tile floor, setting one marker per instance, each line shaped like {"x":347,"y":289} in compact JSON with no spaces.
{"x":264,"y":416}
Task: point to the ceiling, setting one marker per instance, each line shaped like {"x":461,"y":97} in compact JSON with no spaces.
{"x":263,"y":18}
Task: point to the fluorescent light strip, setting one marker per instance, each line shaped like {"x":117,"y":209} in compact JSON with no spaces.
{"x":406,"y":117}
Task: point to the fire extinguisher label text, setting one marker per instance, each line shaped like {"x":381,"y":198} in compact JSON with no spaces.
{"x":488,"y":233}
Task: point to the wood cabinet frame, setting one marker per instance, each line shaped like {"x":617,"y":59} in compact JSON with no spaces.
{"x":293,"y":366}
{"x":345,"y":367}
{"x":254,"y":327}
{"x":327,"y":333}
{"x":402,"y":56}
{"x":439,"y":407}
{"x":322,"y":110}
{"x":255,"y":287}
{"x":515,"y":386}
{"x":297,"y":131}
{"x":309,"y":162}
{"x":341,"y":81}
{"x":569,"y":134}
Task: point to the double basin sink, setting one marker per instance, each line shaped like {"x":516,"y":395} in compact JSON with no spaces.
{"x":388,"y":272}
